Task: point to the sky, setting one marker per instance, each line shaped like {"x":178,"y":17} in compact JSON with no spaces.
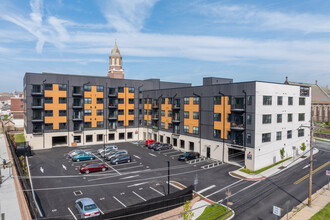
{"x":181,"y":41}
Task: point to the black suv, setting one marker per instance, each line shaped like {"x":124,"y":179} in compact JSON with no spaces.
{"x":163,"y":147}
{"x":188,"y":156}
{"x":154,"y":145}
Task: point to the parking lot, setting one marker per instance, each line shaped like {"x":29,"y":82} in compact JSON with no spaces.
{"x":58,"y":182}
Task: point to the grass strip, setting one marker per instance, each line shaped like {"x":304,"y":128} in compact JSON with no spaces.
{"x":262,"y":169}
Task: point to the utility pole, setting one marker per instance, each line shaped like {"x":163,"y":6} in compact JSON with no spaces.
{"x":311,"y":163}
{"x":168,"y":177}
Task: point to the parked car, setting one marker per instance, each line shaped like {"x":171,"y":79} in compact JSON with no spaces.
{"x":120,"y":152}
{"x":107,"y":149}
{"x":83,"y":156}
{"x":148,"y":142}
{"x":108,"y":153}
{"x":163,"y":147}
{"x":124,"y":158}
{"x":75,"y":152}
{"x":154,"y":145}
{"x":87,"y":208}
{"x":188,"y":156}
{"x":93,"y":167}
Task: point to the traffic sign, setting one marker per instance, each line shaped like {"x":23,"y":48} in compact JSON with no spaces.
{"x":328,"y":172}
{"x":276,"y":210}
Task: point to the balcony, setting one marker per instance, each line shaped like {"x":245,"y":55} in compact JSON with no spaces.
{"x":76,"y":93}
{"x":112,"y":105}
{"x":77,"y":129}
{"x":155,"y":105}
{"x":37,"y":105}
{"x":176,"y":119}
{"x":155,"y":117}
{"x":37,"y":119}
{"x":77,"y":117}
{"x":176,"y":131}
{"x":112,"y":117}
{"x":176,"y":106}
{"x":155,"y":128}
{"x":112,"y":95}
{"x":77,"y":105}
{"x":237,"y":126}
{"x":36,"y":92}
{"x":112,"y":126}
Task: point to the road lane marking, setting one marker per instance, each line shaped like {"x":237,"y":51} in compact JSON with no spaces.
{"x":175,"y":155}
{"x":119,"y":201}
{"x":207,"y":188}
{"x":173,"y":152}
{"x":101,"y":211}
{"x":137,"y":156}
{"x":41,"y":169}
{"x":139,"y":196}
{"x":126,"y":168}
{"x":306,"y":166}
{"x":223,"y":188}
{"x":129,"y":177}
{"x":64,"y":167}
{"x":107,"y":164}
{"x":153,"y":155}
{"x":156,"y":191}
{"x":137,"y":184}
{"x":314,"y":171}
{"x":72,"y":214}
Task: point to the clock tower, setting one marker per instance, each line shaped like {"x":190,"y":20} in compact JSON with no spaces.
{"x":115,"y":64}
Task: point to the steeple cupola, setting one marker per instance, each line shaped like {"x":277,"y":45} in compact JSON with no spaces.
{"x":115,"y":64}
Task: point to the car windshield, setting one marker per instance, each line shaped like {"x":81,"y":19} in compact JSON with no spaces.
{"x":89,"y":207}
{"x":185,"y":154}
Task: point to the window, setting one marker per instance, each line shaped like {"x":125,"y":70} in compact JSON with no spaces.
{"x":162,"y":101}
{"x":169,"y":101}
{"x":182,"y":143}
{"x":120,"y":101}
{"x":62,"y":126}
{"x":186,"y":101}
{"x":48,"y":86}
{"x":191,"y":146}
{"x":186,"y":114}
{"x":196,"y":115}
{"x":49,"y":113}
{"x":248,"y":119}
{"x":87,"y":125}
{"x":217,"y":116}
{"x":120,"y":123}
{"x":77,"y":139}
{"x":36,"y":88}
{"x":279,"y":135}
{"x":301,"y":117}
{"x":217,"y":100}
{"x":62,"y":87}
{"x":228,"y":135}
{"x":62,"y":112}
{"x":99,"y":100}
{"x":162,"y":113}
{"x":229,"y":100}
{"x":48,"y":99}
{"x":140,"y":101}
{"x":229,"y":117}
{"x":111,"y":137}
{"x":169,"y":114}
{"x":289,"y":117}
{"x":48,"y":126}
{"x":99,"y":112}
{"x":87,"y":88}
{"x":131,"y":90}
{"x":76,"y":90}
{"x":186,"y":128}
{"x":130,"y":101}
{"x":170,"y":126}
{"x":217,"y":133}
{"x":196,"y":100}
{"x":162,"y":125}
{"x":150,"y":112}
{"x":99,"y":137}
{"x":279,"y":118}
{"x":131,"y":111}
{"x":290,"y":100}
{"x":121,"y":89}
{"x":279,"y":100}
{"x":266,"y":137}
{"x":99,"y":88}
{"x":267,"y":100}
{"x":289,"y":134}
{"x":130,"y":122}
{"x":175,"y":141}
{"x":301,"y":132}
{"x":249,"y":100}
{"x":140,"y":89}
{"x":130,"y":134}
{"x":89,"y":138}
{"x":266,"y":119}
{"x":88,"y":112}
{"x":120,"y":112}
{"x":301,"y":101}
{"x":88,"y":101}
{"x":195,"y":130}
{"x":248,"y":138}
{"x":121,"y":136}
{"x":62,"y":100}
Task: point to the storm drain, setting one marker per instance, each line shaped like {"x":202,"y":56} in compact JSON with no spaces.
{"x":77,"y":193}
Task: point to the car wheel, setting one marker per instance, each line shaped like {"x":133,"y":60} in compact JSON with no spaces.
{"x":87,"y":171}
{"x":103,"y":169}
{"x":78,"y":160}
{"x":116,"y":163}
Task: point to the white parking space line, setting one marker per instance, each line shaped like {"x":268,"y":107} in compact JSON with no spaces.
{"x":101,"y":211}
{"x":175,"y":186}
{"x":164,"y":151}
{"x":119,"y":201}
{"x":223,"y":188}
{"x":72,"y":214}
{"x":153,"y":155}
{"x":129,"y":177}
{"x":123,"y":164}
{"x":107,"y":164}
{"x":205,"y":189}
{"x":156,"y":191}
{"x":139,"y":196}
{"x":126,"y":168}
{"x":64,"y":167}
{"x":41,"y":169}
{"x":137,"y":184}
{"x":175,"y":155}
{"x":137,"y":156}
{"x":173,"y":152}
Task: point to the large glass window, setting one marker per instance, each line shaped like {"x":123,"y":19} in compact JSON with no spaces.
{"x":120,"y":89}
{"x":62,"y":100}
{"x":267,"y":100}
{"x":249,"y":100}
{"x":290,"y":100}
{"x":266,"y":137}
{"x":186,"y":101}
{"x":48,"y":86}
{"x":301,"y":132}
{"x":248,"y":138}
{"x":217,"y":133}
{"x":248,"y":119}
{"x":99,"y":112}
{"x":289,"y":134}
{"x":169,"y":113}
{"x":279,"y":100}
{"x":99,"y":100}
{"x":87,"y":88}
{"x":88,"y":101}
{"x":62,"y":112}
{"x":289,"y":117}
{"x":279,"y":118}
{"x":301,"y":101}
{"x":196,"y":115}
{"x":162,"y":112}
{"x":217,"y":116}
{"x":196,"y":100}
{"x":266,"y":119}
{"x":301,"y":117}
{"x":48,"y":99}
{"x":186,"y":114}
{"x":279,"y":135}
{"x":62,"y":87}
{"x":131,"y":89}
{"x":217,"y":100}
{"x":88,"y":112}
{"x":169,"y":101}
{"x":195,"y":130}
{"x":186,"y":128}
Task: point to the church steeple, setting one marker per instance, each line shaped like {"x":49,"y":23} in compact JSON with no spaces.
{"x":115,"y":64}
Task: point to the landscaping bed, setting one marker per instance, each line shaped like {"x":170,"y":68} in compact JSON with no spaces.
{"x":215,"y":211}
{"x":262,"y":169}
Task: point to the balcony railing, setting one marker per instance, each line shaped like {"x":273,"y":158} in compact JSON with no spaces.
{"x":77,"y":117}
{"x":112,"y":105}
{"x":112,"y":126}
{"x":37,"y":105}
{"x":176,"y":119}
{"x":155,"y":105}
{"x":36,"y":92}
{"x":176,"y":106}
{"x":238,"y":107}
{"x":76,"y":93}
{"x":155,"y":117}
{"x":112,"y":117}
{"x":77,"y":105}
{"x":237,"y":126}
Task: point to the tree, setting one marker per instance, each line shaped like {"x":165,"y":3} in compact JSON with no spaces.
{"x":186,"y":215}
{"x":303,"y":147}
{"x":282,"y":152}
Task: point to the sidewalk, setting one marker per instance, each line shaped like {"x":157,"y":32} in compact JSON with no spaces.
{"x":287,"y":164}
{"x":8,"y":197}
{"x":319,"y":200}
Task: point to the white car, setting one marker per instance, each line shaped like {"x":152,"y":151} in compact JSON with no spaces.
{"x":107,"y":149}
{"x":87,"y":208}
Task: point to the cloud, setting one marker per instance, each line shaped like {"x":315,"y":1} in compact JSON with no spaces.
{"x":127,"y":16}
{"x":268,"y":20}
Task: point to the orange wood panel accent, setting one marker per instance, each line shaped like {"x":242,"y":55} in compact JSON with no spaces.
{"x":93,"y":118}
{"x":218,"y":125}
{"x":191,"y":108}
{"x":166,"y":107}
{"x":126,"y":95}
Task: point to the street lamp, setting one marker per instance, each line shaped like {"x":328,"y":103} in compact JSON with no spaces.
{"x":104,"y":136}
{"x":223,"y":138}
{"x":168,"y":177}
{"x":200,"y":119}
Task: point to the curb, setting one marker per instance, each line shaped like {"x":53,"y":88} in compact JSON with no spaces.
{"x":237,"y":176}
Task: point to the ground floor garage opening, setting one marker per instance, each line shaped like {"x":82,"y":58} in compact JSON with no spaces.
{"x":236,"y":156}
{"x":60,"y":140}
